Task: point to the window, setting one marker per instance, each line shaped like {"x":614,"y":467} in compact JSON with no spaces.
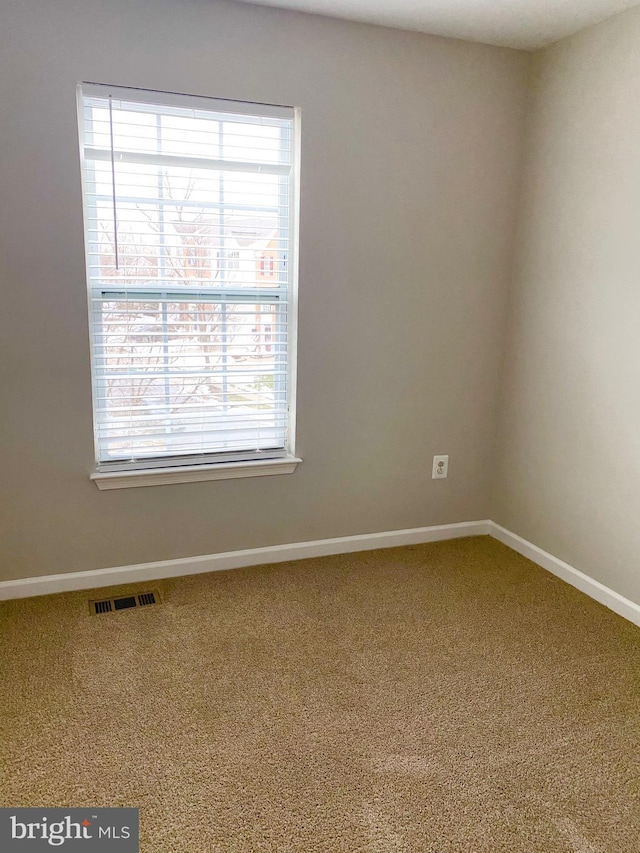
{"x":177,"y":191}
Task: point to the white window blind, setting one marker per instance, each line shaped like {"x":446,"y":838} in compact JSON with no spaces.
{"x":189,"y":213}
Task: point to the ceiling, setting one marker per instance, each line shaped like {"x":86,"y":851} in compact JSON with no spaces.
{"x":527,"y":24}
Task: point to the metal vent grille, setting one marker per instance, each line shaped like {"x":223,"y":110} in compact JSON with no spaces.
{"x":124,"y":602}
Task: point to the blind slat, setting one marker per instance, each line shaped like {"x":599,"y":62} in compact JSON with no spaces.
{"x":164,"y":160}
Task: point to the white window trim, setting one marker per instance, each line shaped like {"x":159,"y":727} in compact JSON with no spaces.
{"x":140,"y":477}
{"x":194,"y":473}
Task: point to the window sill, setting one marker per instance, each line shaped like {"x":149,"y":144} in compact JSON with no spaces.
{"x":194,"y":473}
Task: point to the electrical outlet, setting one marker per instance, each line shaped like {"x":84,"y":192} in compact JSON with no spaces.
{"x":440,"y":467}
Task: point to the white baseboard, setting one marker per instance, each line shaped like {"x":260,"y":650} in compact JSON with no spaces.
{"x":27,"y":587}
{"x":593,"y":588}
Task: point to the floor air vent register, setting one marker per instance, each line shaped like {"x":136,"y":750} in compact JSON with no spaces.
{"x":126,"y":602}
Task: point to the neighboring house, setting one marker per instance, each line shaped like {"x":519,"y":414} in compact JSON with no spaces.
{"x":257,"y":264}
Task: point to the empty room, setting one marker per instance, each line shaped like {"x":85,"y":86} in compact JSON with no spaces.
{"x":320,"y":426}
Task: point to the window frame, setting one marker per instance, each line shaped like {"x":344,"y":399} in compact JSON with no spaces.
{"x":217,"y":464}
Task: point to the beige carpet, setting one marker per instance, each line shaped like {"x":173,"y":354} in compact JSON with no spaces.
{"x":446,"y":698}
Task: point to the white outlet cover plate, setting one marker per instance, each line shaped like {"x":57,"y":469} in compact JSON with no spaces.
{"x":440,"y":467}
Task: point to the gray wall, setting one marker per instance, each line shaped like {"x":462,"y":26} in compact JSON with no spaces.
{"x":569,"y":477}
{"x":411,"y":148}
